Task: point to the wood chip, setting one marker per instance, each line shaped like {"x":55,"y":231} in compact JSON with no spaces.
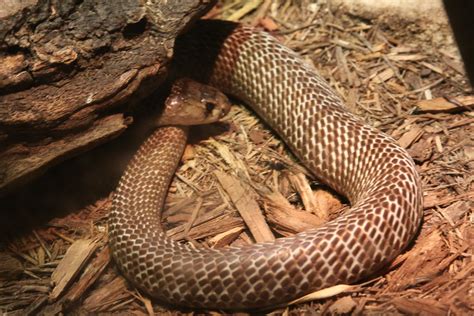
{"x":342,"y":306}
{"x":423,"y":262}
{"x":432,"y":67}
{"x":410,"y":137}
{"x":433,"y":199}
{"x":90,"y":275}
{"x":444,"y":105}
{"x":421,"y":151}
{"x":326,"y":202}
{"x":225,"y":238}
{"x":420,"y":306}
{"x":383,"y":76}
{"x":244,"y":201}
{"x":411,"y":57}
{"x":246,"y":8}
{"x":285,"y":219}
{"x":269,"y":24}
{"x":70,"y":266}
{"x":206,"y":228}
{"x":109,"y":294}
{"x":301,"y":184}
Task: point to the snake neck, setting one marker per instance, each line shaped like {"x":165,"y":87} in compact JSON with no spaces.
{"x":298,"y":104}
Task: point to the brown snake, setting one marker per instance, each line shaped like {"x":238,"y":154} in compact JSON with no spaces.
{"x":368,"y":167}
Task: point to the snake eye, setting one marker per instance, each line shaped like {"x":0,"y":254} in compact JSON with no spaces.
{"x":210,"y":107}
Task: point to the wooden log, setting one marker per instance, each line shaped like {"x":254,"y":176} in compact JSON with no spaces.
{"x":69,"y":70}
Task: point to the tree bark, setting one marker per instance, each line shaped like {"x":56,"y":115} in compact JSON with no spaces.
{"x":71,"y":69}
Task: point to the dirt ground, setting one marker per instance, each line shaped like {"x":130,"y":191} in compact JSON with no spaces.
{"x":405,"y":78}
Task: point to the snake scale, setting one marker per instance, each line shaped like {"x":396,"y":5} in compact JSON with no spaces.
{"x":367,"y":166}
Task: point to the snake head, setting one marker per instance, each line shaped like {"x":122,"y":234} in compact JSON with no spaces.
{"x":193,"y":103}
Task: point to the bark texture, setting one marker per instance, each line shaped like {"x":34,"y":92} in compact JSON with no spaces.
{"x":71,"y":69}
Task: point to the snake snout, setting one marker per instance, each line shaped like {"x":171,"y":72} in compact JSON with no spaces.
{"x":193,"y":103}
{"x":216,"y":104}
{"x":216,"y":108}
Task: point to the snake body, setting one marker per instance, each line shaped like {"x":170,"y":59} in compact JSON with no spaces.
{"x":368,"y":167}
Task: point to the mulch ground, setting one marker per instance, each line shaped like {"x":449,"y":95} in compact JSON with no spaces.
{"x":404,"y":78}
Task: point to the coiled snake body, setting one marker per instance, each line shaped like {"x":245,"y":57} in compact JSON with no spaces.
{"x":368,"y":167}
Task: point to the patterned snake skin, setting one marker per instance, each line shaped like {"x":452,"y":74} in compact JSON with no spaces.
{"x":368,"y":167}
